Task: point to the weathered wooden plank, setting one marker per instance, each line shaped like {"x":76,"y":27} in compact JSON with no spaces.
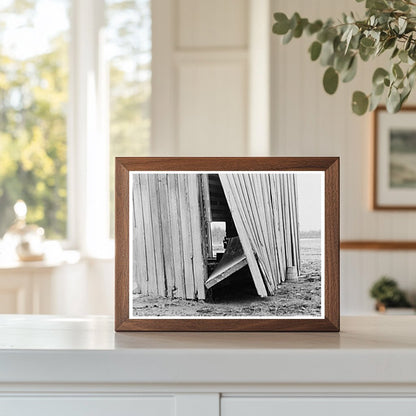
{"x":185,"y":219}
{"x":142,"y":260}
{"x":166,"y":234}
{"x":243,"y":202}
{"x":233,"y":260}
{"x":198,"y":261}
{"x":264,"y":212}
{"x":295,"y":223}
{"x":139,"y":251}
{"x":281,"y":236}
{"x":206,"y":216}
{"x":254,"y":206}
{"x":292,"y":220}
{"x":177,"y":247}
{"x":266,"y":190}
{"x":289,"y":257}
{"x":148,"y":235}
{"x":232,"y":197}
{"x":157,"y":233}
{"x":278,"y":225}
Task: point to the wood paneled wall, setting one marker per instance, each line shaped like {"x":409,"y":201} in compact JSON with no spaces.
{"x":204,"y":104}
{"x":308,"y":122}
{"x":201,"y":77}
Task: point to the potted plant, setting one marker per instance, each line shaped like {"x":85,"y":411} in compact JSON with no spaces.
{"x":387,"y":294}
{"x":389,"y":27}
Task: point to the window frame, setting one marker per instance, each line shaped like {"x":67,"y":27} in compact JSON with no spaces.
{"x":87,"y":131}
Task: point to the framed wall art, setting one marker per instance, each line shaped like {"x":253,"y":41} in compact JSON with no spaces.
{"x":394,"y":178}
{"x":227,"y":244}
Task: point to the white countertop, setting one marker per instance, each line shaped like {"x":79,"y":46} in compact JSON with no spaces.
{"x":52,"y":349}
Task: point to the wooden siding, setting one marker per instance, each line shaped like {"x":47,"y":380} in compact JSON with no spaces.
{"x":265,"y":213}
{"x":168,"y":253}
{"x":170,"y":230}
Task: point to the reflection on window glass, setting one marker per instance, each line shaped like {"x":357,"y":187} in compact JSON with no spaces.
{"x":33,"y":100}
{"x":129,"y":45}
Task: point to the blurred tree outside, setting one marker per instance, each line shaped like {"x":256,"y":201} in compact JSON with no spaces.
{"x":33,"y":99}
{"x":129,"y":46}
{"x":34,"y":67}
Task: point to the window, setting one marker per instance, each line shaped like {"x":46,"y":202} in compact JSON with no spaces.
{"x":33,"y":100}
{"x":218,"y":235}
{"x":129,"y":43}
{"x":75,"y":87}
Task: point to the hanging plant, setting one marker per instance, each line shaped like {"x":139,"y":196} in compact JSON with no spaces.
{"x":388,"y":27}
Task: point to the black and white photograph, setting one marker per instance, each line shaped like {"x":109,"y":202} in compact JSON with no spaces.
{"x":226,"y":244}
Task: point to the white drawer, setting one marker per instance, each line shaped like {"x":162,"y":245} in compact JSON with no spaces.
{"x":276,"y":406}
{"x":87,"y":406}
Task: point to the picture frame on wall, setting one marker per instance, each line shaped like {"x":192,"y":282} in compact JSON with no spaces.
{"x":227,"y":244}
{"x":394,"y":164}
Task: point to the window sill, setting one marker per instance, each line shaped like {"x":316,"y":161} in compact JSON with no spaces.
{"x":63,"y":258}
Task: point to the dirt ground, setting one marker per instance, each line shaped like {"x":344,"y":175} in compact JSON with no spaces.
{"x":302,"y":297}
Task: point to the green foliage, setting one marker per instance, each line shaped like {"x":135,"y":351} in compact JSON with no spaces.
{"x":330,"y":80}
{"x":387,"y":292}
{"x":389,"y":26}
{"x":34,"y":103}
{"x":33,"y":97}
{"x":130,"y":83}
{"x":315,"y":50}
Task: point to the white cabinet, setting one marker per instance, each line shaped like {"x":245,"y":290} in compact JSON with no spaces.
{"x":88,"y":406}
{"x":79,"y":366}
{"x":68,"y":286}
{"x":272,"y":406}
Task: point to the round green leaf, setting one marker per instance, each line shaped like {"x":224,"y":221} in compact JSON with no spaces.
{"x":379,"y":75}
{"x":395,"y":52}
{"x":282,"y":26}
{"x":327,"y":54}
{"x":389,"y":43}
{"x":397,"y":71}
{"x":359,"y":103}
{"x":374,"y":102}
{"x":403,"y":56}
{"x":393,"y":101}
{"x":378,"y":90}
{"x":342,"y":61}
{"x":351,"y":71}
{"x":330,"y":80}
{"x":288,"y":37}
{"x":366,"y":53}
{"x":315,"y":50}
{"x":367,"y":42}
{"x":408,"y":42}
{"x":314,"y":27}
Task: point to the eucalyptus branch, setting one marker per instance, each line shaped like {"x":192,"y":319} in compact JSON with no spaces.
{"x":389,"y":25}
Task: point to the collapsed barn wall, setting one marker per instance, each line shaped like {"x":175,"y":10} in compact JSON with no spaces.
{"x":171,"y":229}
{"x":265,"y":211}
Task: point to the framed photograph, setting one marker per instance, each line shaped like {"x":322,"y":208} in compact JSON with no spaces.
{"x":227,"y":244}
{"x":394,"y":179}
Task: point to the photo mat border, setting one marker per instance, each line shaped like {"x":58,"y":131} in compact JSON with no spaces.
{"x":328,"y":165}
{"x":322,"y":202}
{"x":376,"y":148}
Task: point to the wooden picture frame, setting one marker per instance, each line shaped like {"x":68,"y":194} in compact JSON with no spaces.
{"x":394,"y":184}
{"x":132,"y":192}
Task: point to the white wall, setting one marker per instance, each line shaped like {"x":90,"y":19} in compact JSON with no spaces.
{"x":308,"y":122}
{"x":211,"y":74}
{"x":202,"y":83}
